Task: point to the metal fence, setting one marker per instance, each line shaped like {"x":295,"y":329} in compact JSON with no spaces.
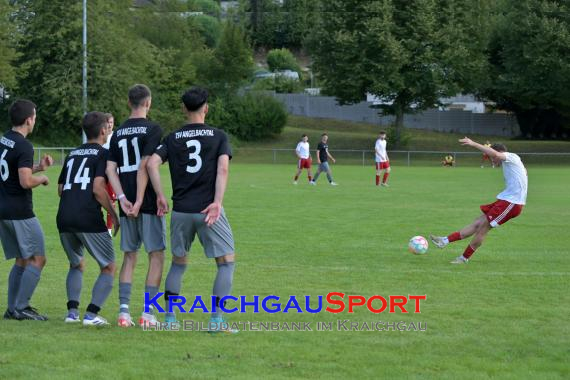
{"x":356,"y":157}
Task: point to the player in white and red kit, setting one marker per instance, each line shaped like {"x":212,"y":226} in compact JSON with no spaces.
{"x":112,"y":196}
{"x":382,"y":160}
{"x":302,"y":152}
{"x":509,"y":203}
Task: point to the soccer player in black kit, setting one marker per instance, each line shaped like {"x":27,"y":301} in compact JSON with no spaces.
{"x":198,"y":157}
{"x":20,"y":231}
{"x":131,"y":146}
{"x":82,"y":188}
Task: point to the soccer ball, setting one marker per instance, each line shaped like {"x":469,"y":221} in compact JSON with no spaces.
{"x":418,"y":245}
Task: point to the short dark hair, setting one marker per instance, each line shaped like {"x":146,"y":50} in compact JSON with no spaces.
{"x":138,"y":93}
{"x":93,"y":123}
{"x":324,"y":134}
{"x":304,"y":136}
{"x":499,"y":147}
{"x":382,"y":133}
{"x":195,"y":98}
{"x":21,"y":110}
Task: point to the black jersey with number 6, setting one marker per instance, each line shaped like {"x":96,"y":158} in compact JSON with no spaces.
{"x":135,"y":138}
{"x":192,"y":153}
{"x":15,"y":152}
{"x":79,"y":210}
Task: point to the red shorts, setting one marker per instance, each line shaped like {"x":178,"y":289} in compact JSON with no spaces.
{"x":383,"y":165}
{"x":304,"y":163}
{"x":500,"y":212}
{"x":485,"y":157}
{"x":111,"y":192}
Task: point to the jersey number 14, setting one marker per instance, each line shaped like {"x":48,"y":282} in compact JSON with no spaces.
{"x":81,"y":176}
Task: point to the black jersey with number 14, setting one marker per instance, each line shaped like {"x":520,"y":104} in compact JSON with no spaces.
{"x":192,"y":153}
{"x":79,"y":211}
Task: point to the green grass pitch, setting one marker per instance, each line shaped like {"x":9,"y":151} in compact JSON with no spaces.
{"x":504,"y":315}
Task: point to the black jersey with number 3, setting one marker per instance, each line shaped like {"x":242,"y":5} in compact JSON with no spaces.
{"x":192,"y":153}
{"x":15,"y":152}
{"x":134,"y":139}
{"x":79,"y":210}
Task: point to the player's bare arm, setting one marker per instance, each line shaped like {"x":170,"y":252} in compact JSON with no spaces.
{"x":214,"y":210}
{"x":59,"y":189}
{"x":331,"y":157}
{"x":29,"y":181}
{"x":113,"y":177}
{"x":153,"y":166}
{"x":101,"y":195}
{"x":485,"y":149}
{"x":45,"y":163}
{"x":142,"y":182}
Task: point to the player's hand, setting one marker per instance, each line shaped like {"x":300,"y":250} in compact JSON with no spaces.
{"x":46,"y":162}
{"x":44,"y":180}
{"x":126,"y":205}
{"x":213,"y":212}
{"x":334,"y":161}
{"x":466,"y":141}
{"x":135,"y":209}
{"x":161,"y":205}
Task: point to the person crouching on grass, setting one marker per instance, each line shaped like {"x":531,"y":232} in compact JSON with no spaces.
{"x":509,"y":203}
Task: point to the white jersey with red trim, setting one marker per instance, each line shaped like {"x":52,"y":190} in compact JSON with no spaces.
{"x":516,"y":180}
{"x":380,"y":150}
{"x":106,"y":145}
{"x":303,"y":149}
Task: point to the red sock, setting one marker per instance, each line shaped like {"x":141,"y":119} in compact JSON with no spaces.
{"x":385,"y":179}
{"x":109,"y":222}
{"x":468,"y":252}
{"x":296,"y":177}
{"x":310,"y":178}
{"x":377,"y":180}
{"x":454,"y":237}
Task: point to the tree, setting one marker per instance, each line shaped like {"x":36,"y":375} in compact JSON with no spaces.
{"x":530,"y":65}
{"x":282,"y":59}
{"x":8,"y":53}
{"x":409,"y":54}
{"x":224,"y":69}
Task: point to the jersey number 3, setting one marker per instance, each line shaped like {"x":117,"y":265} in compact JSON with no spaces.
{"x":194,"y":156}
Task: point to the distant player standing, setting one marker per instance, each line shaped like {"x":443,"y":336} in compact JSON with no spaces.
{"x":20,"y":231}
{"x":112,"y":196}
{"x":382,"y":160}
{"x":304,"y":156}
{"x":323,"y":156}
{"x":131,"y":146}
{"x":82,"y":189}
{"x":509,"y":203}
{"x":198,"y":157}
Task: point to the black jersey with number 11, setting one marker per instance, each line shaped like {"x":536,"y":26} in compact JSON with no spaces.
{"x":79,"y":211}
{"x":192,"y":153}
{"x":134,"y":139}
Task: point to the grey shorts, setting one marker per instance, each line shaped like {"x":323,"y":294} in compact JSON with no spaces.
{"x":217,"y":240}
{"x":22,"y":239}
{"x":98,"y":244}
{"x":147,"y":229}
{"x":324,"y":167}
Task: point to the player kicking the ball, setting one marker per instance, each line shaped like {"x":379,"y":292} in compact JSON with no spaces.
{"x":509,"y":203}
{"x":131,"y":146}
{"x":20,"y":231}
{"x":198,"y":157}
{"x":82,"y":187}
